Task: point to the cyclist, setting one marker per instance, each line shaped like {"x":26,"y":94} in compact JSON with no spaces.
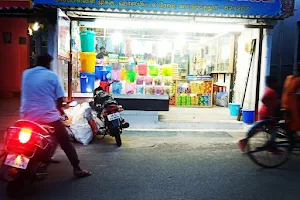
{"x":291,"y":99}
{"x":269,"y":107}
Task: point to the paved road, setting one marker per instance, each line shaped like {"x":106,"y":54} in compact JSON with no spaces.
{"x":153,"y":167}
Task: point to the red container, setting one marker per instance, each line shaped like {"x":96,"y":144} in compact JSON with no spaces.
{"x":142,"y":69}
{"x":103,"y":85}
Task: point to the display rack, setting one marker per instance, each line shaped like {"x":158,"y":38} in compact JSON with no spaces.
{"x":194,"y":93}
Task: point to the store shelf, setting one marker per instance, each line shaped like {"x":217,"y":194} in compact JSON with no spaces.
{"x":124,"y":96}
{"x":194,"y":93}
{"x":192,"y":106}
{"x":221,"y":72}
{"x":185,"y":98}
{"x":140,"y":96}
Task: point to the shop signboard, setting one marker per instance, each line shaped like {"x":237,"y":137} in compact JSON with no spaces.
{"x":237,"y":7}
{"x":63,"y":35}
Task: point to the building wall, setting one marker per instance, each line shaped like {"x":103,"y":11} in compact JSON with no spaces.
{"x":242,"y":67}
{"x":14,"y":57}
{"x":17,"y":3}
{"x":243,"y":63}
{"x":284,"y":48}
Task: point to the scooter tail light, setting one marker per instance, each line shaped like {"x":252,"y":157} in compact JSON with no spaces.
{"x":110,"y":109}
{"x":25,"y":135}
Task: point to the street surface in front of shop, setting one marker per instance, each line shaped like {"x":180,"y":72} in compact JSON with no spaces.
{"x":162,"y":165}
{"x":166,"y":166}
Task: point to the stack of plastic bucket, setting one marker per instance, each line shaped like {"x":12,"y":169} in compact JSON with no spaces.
{"x":88,"y":61}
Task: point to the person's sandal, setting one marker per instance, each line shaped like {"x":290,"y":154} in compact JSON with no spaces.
{"x":82,"y":174}
{"x":242,"y":145}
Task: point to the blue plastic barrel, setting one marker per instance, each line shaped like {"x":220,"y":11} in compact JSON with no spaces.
{"x":234,"y":109}
{"x":248,"y":116}
{"x":103,"y":73}
{"x":98,"y":70}
{"x":87,"y":82}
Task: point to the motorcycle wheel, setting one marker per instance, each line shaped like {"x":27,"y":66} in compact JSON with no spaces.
{"x":13,"y":188}
{"x":116,"y":133}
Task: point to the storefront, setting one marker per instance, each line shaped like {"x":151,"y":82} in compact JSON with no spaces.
{"x":165,"y":53}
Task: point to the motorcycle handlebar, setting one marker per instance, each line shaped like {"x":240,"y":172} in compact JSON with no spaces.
{"x":108,"y":85}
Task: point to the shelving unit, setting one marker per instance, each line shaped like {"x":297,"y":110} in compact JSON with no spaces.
{"x":194,"y":93}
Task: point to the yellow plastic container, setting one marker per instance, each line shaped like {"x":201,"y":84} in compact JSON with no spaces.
{"x":167,"y":70}
{"x":88,"y":61}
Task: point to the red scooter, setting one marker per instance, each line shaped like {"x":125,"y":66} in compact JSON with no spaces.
{"x":29,"y":147}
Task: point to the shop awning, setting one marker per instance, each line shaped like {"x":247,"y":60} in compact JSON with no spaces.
{"x":246,"y":9}
{"x":17,"y":11}
{"x":162,"y":13}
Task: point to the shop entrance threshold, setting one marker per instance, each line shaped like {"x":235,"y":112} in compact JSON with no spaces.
{"x":181,"y":114}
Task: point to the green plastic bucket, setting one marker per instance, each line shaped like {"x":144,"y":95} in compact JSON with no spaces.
{"x":87,"y":41}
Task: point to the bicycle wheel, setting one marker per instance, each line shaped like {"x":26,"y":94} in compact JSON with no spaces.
{"x":266,"y":153}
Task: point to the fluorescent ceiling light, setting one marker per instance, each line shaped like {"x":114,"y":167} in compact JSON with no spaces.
{"x":222,"y":20}
{"x":101,"y":14}
{"x":180,"y":27}
{"x":162,"y":17}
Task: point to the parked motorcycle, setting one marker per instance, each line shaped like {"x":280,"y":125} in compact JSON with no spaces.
{"x":29,"y":147}
{"x":108,"y":111}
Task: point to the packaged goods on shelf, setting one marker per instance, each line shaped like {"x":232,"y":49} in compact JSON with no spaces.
{"x":123,"y":59}
{"x":195,"y":93}
{"x":113,"y":58}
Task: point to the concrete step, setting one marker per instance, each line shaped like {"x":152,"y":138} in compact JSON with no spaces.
{"x":214,"y":125}
{"x":209,"y":125}
{"x":154,"y":120}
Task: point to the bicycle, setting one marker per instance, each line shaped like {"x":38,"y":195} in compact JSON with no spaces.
{"x":271,"y":153}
